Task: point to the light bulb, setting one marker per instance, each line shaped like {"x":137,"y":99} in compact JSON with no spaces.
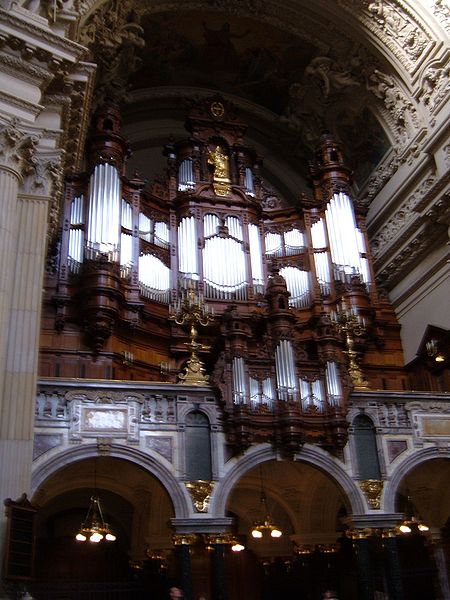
{"x":423,"y":527}
{"x":110,"y":537}
{"x":237,"y":547}
{"x":80,"y":537}
{"x":96,"y":537}
{"x":256,"y":533}
{"x":405,"y":528}
{"x":276,"y":533}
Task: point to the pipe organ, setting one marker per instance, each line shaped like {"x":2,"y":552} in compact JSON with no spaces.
{"x":275,"y":275}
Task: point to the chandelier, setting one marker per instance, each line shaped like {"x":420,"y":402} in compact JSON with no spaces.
{"x":412,"y":523}
{"x":265,"y":525}
{"x":94,"y":526}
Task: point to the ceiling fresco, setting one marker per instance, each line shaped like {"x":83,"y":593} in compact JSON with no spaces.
{"x":303,"y":88}
{"x":236,"y":56}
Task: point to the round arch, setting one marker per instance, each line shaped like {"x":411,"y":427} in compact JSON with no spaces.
{"x":311,"y":455}
{"x":416,"y":459}
{"x":177,"y":494}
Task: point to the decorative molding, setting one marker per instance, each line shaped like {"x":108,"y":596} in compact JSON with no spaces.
{"x":402,"y":220}
{"x":14,"y":65}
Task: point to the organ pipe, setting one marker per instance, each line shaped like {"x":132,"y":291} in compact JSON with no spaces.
{"x":299,"y":286}
{"x":333,"y":383}
{"x":239,"y":387}
{"x":342,"y":232}
{"x":104,"y":209}
{"x":256,"y":255}
{"x":285,"y":369}
{"x":187,"y":248}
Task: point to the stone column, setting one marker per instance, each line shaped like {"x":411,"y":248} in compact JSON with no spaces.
{"x":182,"y":546}
{"x":15,"y":445}
{"x":438,"y":555}
{"x":24,"y":216}
{"x":219,"y":578}
{"x":394,"y":572}
{"x":364,"y":563}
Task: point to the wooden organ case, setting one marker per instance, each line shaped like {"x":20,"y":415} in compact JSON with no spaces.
{"x":296,"y":319}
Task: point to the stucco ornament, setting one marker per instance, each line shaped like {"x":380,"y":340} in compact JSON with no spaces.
{"x":116,"y":35}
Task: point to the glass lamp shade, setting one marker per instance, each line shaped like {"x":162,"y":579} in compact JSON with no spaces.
{"x":94,"y":527}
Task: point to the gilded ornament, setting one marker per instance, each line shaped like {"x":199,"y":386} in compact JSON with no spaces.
{"x":200,"y":492}
{"x":372,"y":489}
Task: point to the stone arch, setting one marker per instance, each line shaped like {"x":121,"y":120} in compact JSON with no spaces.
{"x":416,"y":459}
{"x":177,"y":494}
{"x":311,"y":455}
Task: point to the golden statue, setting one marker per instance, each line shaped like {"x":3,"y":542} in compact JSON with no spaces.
{"x":221,"y":175}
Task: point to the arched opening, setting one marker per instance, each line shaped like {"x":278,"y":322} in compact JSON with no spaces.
{"x":312,"y":554}
{"x":424,"y":497}
{"x":138,"y":510}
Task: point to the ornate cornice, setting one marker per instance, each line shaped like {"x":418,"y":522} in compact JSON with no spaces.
{"x":48,"y":44}
{"x":15,"y":65}
{"x":22,"y":105}
{"x":404,"y":219}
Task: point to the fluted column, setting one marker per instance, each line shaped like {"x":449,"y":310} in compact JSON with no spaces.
{"x":24,"y":208}
{"x":12,"y":144}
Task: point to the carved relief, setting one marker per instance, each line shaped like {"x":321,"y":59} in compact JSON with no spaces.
{"x":441,"y":11}
{"x":402,"y":218}
{"x":116,"y":34}
{"x":392,"y":24}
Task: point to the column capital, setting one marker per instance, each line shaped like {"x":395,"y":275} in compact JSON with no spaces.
{"x":16,"y":146}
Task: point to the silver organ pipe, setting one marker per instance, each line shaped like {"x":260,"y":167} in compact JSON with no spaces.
{"x":126,"y":240}
{"x":249,"y":187}
{"x":76,"y":234}
{"x":239,"y":386}
{"x":186,"y":180}
{"x":312,"y":395}
{"x":224,"y":269}
{"x":145,"y":227}
{"x":285,"y":370}
{"x":365,"y":269}
{"x":255,"y":393}
{"x":298,"y":284}
{"x":342,"y":231}
{"x":154,"y":278}
{"x":294,"y":241}
{"x":210,"y":225}
{"x":321,"y":257}
{"x":104,"y":212}
{"x":273,"y":244}
{"x":333,"y":383}
{"x":305,"y":394}
{"x":256,"y":258}
{"x":234,"y":228}
{"x":268,"y":392}
{"x":318,"y":394}
{"x":187,"y":248}
{"x":161,"y":234}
